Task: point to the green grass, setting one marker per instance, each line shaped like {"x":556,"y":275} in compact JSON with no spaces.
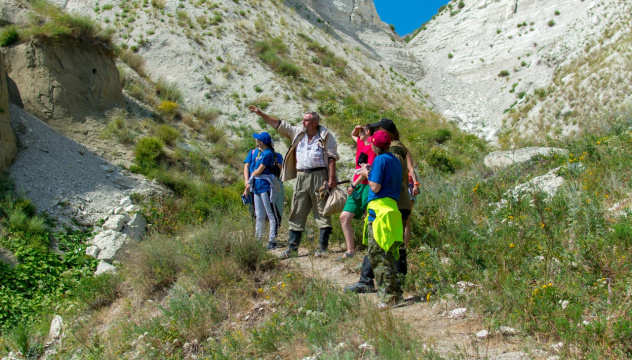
{"x":535,"y":252}
{"x":48,"y":21}
{"x":8,"y":36}
{"x":273,"y":52}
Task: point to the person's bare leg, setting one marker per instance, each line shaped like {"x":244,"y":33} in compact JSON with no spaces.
{"x":347,"y":229}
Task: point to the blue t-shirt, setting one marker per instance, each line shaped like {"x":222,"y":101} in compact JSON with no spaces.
{"x":266,"y":158}
{"x":386,"y":171}
{"x":252,"y":157}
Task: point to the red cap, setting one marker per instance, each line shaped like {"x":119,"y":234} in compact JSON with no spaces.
{"x":381,"y":139}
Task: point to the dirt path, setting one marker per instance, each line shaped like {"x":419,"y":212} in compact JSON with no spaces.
{"x":431,"y":320}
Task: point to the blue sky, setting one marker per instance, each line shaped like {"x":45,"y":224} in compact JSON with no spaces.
{"x":407,"y":15}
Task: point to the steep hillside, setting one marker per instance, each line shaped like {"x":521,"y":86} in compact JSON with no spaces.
{"x":209,"y":50}
{"x":483,"y":57}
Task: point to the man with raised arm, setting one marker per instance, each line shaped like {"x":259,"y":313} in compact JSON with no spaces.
{"x":311,"y":160}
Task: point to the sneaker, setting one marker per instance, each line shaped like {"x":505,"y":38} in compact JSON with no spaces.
{"x":320,"y":253}
{"x":394,"y":303}
{"x":346,"y":256}
{"x":360,"y":288}
{"x":289,"y":254}
{"x":271,"y":245}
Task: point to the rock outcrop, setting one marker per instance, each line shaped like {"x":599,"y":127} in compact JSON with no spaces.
{"x":64,"y":79}
{"x":503,"y":159}
{"x":8,"y":147}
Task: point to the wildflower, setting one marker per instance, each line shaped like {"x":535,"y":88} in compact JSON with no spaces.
{"x":428,"y":297}
{"x":267,"y":297}
{"x":274,"y":288}
{"x":606,"y":196}
{"x":542,"y":225}
{"x":510,"y":217}
{"x":260,"y":291}
{"x":283,"y":285}
{"x":512,"y":245}
{"x":288,"y":275}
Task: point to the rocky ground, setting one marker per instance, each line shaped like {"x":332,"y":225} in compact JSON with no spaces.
{"x":442,"y":324}
{"x":65,"y":179}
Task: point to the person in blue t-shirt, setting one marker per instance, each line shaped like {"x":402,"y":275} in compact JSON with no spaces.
{"x":249,"y":168}
{"x":264,"y":187}
{"x":384,"y":230}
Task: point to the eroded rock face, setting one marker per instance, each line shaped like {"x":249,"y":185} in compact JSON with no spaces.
{"x":8,"y":147}
{"x":65,"y":79}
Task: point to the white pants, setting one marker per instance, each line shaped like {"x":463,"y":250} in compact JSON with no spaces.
{"x":264,"y":207}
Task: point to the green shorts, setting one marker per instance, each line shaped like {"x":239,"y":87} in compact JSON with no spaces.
{"x":358,"y":206}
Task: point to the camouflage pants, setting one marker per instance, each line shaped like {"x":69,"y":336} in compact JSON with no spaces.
{"x":383,"y":264}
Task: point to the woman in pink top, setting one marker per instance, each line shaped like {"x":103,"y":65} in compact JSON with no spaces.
{"x":358,"y":190}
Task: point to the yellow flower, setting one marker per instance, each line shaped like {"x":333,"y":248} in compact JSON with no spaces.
{"x":606,"y":196}
{"x":550,"y":284}
{"x":274,"y":288}
{"x":267,"y":298}
{"x":260,"y":291}
{"x":542,"y":225}
{"x":288,"y":275}
{"x":428,"y":297}
{"x":509,"y":217}
{"x":512,"y":245}
{"x":282,"y":284}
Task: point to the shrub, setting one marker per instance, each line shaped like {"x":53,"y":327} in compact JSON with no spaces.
{"x":168,"y":91}
{"x":18,"y":220}
{"x":168,"y":107}
{"x":503,"y":73}
{"x":99,"y":291}
{"x":148,"y":152}
{"x":258,"y":89}
{"x":134,"y":61}
{"x":167,"y":134}
{"x":205,"y":114}
{"x":119,"y":130}
{"x":289,"y":69}
{"x":551,"y":23}
{"x":450,"y":56}
{"x":213,"y":134}
{"x":48,"y":21}
{"x":8,"y":36}
{"x":155,"y":263}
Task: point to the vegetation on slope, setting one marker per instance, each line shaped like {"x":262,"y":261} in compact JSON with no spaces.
{"x":47,"y":21}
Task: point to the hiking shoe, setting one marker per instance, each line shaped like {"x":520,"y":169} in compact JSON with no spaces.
{"x":271,"y":245}
{"x":346,"y":256}
{"x":360,"y":288}
{"x":289,"y":254}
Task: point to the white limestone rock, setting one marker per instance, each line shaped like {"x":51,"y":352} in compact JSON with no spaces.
{"x":111,"y":244}
{"x":56,"y":327}
{"x":105,"y":268}
{"x":136,"y":227}
{"x":93,"y":251}
{"x":503,"y":159}
{"x":115,"y":222}
{"x":127,"y":201}
{"x":457,"y":313}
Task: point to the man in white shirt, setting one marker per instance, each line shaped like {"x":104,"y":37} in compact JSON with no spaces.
{"x":311,"y":159}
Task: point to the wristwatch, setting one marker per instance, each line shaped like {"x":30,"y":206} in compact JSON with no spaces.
{"x":352,"y":186}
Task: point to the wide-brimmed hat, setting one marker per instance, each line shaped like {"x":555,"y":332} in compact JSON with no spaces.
{"x":264,"y":137}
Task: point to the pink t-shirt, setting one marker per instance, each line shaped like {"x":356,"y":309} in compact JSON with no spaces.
{"x":364,"y":155}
